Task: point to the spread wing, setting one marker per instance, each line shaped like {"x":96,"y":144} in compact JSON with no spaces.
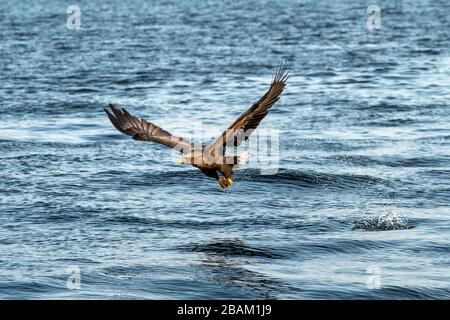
{"x":143,"y":130}
{"x":243,"y":127}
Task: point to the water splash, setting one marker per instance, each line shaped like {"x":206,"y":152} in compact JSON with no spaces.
{"x":387,"y":220}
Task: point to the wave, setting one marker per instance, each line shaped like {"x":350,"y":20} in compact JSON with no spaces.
{"x":232,"y":247}
{"x":322,"y":144}
{"x":391,"y":161}
{"x":387,"y":220}
{"x":383,"y":293}
{"x":307,"y":179}
{"x":311,"y":178}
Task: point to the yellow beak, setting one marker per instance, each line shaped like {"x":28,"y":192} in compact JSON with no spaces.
{"x":181,"y":161}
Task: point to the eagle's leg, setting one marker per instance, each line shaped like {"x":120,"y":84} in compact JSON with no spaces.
{"x":222,"y":183}
{"x":225,"y":182}
{"x":227,"y":171}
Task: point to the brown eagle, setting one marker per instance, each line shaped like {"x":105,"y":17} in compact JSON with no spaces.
{"x":210,"y":159}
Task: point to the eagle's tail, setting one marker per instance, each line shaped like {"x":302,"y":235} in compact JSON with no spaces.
{"x":238,"y":160}
{"x":243,"y":158}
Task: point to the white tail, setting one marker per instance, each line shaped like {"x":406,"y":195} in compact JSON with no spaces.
{"x":243,"y":158}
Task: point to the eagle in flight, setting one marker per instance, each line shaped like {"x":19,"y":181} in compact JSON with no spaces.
{"x":210,"y":159}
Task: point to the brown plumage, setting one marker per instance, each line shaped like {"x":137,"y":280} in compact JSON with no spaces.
{"x":211,"y":159}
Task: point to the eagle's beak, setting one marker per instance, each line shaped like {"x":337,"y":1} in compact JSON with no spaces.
{"x":181,"y":161}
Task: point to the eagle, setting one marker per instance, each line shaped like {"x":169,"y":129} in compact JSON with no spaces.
{"x":210,"y":159}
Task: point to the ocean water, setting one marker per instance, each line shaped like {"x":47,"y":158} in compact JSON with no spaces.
{"x":358,"y":209}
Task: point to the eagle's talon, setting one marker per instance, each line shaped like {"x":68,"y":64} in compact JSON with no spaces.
{"x":222,"y":183}
{"x":225,"y":183}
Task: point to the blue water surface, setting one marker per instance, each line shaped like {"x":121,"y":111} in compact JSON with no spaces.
{"x":359,"y":207}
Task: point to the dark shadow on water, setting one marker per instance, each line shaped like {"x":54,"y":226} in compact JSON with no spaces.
{"x":224,"y":263}
{"x":232,"y":248}
{"x":313,"y":179}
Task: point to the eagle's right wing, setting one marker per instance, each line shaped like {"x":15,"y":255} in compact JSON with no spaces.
{"x":251,"y":118}
{"x":143,"y":130}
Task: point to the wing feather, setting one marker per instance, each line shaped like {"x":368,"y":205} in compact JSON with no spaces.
{"x":251,"y":118}
{"x":140,"y":129}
